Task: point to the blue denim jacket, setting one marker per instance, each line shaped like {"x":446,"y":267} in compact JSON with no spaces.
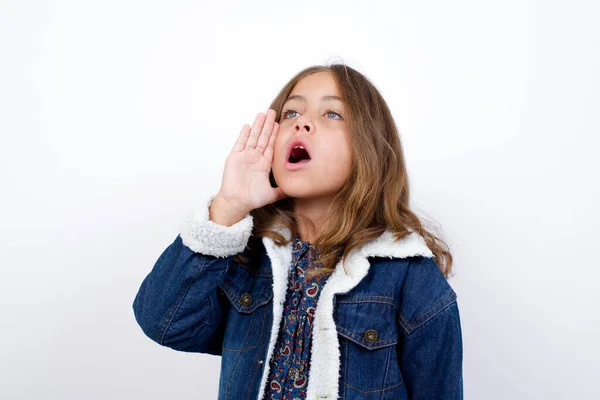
{"x":387,"y":324}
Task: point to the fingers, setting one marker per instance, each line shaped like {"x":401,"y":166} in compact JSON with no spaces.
{"x":255,"y":131}
{"x":259,"y":135}
{"x":270,"y":148}
{"x":267,"y":130}
{"x":242,"y":139}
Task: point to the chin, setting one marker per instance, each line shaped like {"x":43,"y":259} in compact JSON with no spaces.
{"x":297,"y":189}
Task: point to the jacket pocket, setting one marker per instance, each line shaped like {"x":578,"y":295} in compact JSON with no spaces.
{"x":368,"y":334}
{"x":249,"y":294}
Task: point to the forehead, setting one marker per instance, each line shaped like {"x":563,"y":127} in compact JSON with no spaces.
{"x":320,"y":86}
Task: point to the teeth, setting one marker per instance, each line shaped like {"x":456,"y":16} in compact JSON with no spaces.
{"x":295,"y":147}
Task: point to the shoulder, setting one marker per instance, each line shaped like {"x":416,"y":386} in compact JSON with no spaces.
{"x":425,"y":292}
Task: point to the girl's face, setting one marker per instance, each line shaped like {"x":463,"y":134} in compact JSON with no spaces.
{"x":313,"y":115}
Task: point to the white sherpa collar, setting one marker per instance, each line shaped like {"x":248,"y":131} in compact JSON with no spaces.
{"x":325,"y":354}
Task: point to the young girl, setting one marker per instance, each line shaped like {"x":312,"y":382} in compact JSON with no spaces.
{"x":307,"y":272}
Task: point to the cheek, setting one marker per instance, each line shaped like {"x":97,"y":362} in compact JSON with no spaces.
{"x":346,"y":162}
{"x":346,"y":157}
{"x":279,"y":150}
{"x":344,"y":151}
{"x":339,"y":158}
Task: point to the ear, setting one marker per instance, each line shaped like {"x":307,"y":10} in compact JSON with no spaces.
{"x":272,"y":179}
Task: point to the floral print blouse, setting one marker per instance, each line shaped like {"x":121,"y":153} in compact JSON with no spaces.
{"x":289,"y":364}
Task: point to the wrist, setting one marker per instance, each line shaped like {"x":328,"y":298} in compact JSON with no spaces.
{"x":224,"y":212}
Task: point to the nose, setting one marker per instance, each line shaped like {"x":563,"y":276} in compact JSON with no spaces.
{"x":299,"y":127}
{"x":302,"y":123}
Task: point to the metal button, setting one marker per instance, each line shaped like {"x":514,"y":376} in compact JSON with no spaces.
{"x":260,"y":362}
{"x":371,"y":335}
{"x":246,"y":299}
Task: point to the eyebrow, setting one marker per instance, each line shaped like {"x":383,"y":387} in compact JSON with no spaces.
{"x":302,"y":98}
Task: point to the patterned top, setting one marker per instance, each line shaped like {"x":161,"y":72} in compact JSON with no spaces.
{"x":289,"y":364}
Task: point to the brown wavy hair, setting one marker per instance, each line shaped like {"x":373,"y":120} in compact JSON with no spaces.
{"x":375,"y":196}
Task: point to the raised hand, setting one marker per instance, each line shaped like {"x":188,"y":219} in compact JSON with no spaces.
{"x":245,"y":185}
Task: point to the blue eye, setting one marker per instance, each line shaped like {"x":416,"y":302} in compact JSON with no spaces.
{"x":285,"y":114}
{"x":333,"y":112}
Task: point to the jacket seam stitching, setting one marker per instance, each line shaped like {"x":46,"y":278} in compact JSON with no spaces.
{"x":432,"y":308}
{"x":414,"y":324}
{"x":433,"y":315}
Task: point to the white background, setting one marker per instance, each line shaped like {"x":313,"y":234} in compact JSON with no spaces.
{"x":116,"y":117}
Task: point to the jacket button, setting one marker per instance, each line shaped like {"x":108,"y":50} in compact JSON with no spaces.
{"x":246,"y":299}
{"x":260,"y":362}
{"x":371,"y":335}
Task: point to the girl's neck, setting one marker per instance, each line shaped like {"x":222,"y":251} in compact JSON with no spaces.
{"x":310,"y":215}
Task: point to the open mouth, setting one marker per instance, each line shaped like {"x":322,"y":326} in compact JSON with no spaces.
{"x":298,"y":154}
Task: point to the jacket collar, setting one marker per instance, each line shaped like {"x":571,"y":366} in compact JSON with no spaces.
{"x":325,"y":354}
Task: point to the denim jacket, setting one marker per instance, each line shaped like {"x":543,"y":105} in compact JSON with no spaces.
{"x":386,"y":326}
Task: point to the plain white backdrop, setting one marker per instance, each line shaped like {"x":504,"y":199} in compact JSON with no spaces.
{"x":117,"y":116}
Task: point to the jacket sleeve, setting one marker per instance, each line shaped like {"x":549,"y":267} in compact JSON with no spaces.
{"x":431,"y":350}
{"x":431,"y":360}
{"x":177,"y":304}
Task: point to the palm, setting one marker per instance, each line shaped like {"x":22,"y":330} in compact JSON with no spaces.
{"x":249,"y":170}
{"x":246,"y":175}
